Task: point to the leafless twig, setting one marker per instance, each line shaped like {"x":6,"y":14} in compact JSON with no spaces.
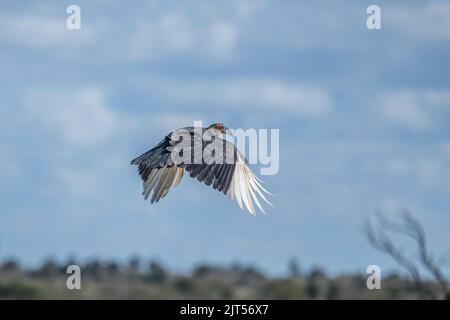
{"x":411,"y":228}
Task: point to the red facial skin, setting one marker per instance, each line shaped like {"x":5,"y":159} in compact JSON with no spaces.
{"x":219,"y":127}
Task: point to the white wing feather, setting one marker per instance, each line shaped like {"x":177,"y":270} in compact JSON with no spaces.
{"x":161,"y":180}
{"x":244,"y":187}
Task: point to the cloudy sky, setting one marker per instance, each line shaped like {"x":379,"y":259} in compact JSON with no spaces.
{"x":363,"y":117}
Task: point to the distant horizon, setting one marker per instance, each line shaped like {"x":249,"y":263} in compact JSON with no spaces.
{"x":392,"y":270}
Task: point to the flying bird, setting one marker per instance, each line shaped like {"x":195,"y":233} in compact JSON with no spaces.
{"x":226,"y":169}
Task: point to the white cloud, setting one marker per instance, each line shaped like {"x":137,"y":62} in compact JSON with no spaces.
{"x":437,"y":97}
{"x":414,"y":108}
{"x":78,"y":183}
{"x":79,"y":116}
{"x":399,"y":167}
{"x":428,"y":170}
{"x":392,"y":206}
{"x":424,"y":170}
{"x":403,"y":108}
{"x":170,"y":34}
{"x":175,"y":33}
{"x":247,"y":8}
{"x":294,"y":98}
{"x":223,"y":39}
{"x":445,"y":148}
{"x":10,"y":168}
{"x":42,"y":32}
{"x":427,"y":22}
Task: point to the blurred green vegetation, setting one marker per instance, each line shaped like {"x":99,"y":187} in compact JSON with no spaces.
{"x":151,"y":280}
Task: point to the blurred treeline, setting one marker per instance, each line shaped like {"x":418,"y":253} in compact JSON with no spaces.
{"x":140,"y":279}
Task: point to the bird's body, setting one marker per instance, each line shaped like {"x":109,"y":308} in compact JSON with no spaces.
{"x":226,"y":170}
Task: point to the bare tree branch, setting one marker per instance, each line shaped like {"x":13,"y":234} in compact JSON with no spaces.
{"x":411,"y":228}
{"x":425,"y":257}
{"x":379,"y":240}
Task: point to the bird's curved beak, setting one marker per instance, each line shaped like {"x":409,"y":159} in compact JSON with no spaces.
{"x":227,"y":131}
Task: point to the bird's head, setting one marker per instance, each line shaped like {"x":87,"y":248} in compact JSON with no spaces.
{"x":219,"y":128}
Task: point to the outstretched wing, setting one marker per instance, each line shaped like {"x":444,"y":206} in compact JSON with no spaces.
{"x":226,"y":171}
{"x":157,"y":170}
{"x":230,"y":174}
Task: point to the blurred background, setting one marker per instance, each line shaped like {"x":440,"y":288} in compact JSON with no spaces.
{"x":364,"y":127}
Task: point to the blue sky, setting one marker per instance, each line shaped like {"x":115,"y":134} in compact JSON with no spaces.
{"x":363,"y":118}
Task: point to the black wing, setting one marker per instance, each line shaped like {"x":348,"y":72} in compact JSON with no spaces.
{"x":219,"y":171}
